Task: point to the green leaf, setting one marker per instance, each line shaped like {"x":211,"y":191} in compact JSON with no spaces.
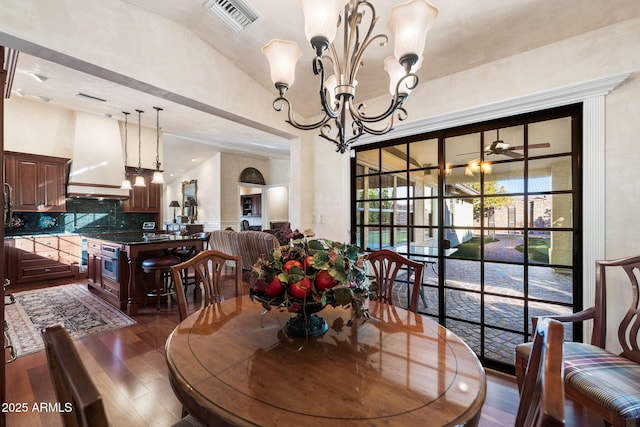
{"x":352,"y":253}
{"x":284,"y":277}
{"x":342,"y":296}
{"x":315,"y":245}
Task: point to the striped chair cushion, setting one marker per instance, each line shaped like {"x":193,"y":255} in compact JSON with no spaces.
{"x":610,"y":380}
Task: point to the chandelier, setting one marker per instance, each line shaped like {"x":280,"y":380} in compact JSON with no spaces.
{"x":409,"y":23}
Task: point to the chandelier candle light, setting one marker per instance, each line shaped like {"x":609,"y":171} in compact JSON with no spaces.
{"x":409,"y":23}
{"x":139,"y":182}
{"x":126,"y":184}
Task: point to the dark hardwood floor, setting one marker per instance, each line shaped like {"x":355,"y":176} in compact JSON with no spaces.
{"x":129,"y":369}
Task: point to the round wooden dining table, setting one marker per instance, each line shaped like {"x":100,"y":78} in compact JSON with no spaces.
{"x":231,"y":364}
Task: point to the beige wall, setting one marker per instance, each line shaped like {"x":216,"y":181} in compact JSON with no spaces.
{"x":46,"y":128}
{"x":39,"y":128}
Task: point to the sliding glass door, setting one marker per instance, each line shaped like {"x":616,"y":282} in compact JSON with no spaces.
{"x":492,"y":210}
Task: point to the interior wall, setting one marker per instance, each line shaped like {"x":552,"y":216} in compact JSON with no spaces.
{"x":230,"y":169}
{"x":277,"y":204}
{"x":53,"y":136}
{"x":209,"y":190}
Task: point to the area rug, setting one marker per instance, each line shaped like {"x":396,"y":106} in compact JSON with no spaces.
{"x":82,"y":314}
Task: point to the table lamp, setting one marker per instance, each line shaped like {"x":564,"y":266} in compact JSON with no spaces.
{"x":174,"y":204}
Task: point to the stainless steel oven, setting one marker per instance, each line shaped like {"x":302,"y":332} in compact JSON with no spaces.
{"x":110,"y":255}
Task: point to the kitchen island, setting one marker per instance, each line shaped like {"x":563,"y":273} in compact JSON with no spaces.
{"x":114,"y":264}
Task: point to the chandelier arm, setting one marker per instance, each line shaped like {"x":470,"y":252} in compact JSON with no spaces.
{"x":335,"y":61}
{"x":318,"y":69}
{"x":324,"y":133}
{"x":401,"y":115}
{"x":358,"y":48}
{"x":281,"y":101}
{"x":356,"y":61}
{"x":395,"y":104}
{"x":358,"y":113}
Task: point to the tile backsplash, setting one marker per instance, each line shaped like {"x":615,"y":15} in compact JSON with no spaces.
{"x":82,"y":216}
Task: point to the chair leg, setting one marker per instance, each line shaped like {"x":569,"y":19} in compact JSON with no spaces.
{"x":159,"y":284}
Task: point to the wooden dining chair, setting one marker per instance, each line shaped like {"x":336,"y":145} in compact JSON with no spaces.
{"x":72,"y":383}
{"x":74,"y":387}
{"x":542,"y":397}
{"x":205,"y":268}
{"x":605,"y":382}
{"x":386,"y":266}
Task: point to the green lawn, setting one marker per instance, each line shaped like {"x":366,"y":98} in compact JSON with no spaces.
{"x":538,"y":249}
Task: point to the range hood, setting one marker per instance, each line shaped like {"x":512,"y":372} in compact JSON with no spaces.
{"x":98,"y":159}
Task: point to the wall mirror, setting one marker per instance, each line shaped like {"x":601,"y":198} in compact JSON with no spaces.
{"x":190,"y":199}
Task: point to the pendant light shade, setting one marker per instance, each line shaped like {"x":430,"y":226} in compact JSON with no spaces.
{"x":158,"y":178}
{"x":157,"y":175}
{"x":126,"y":184}
{"x":282,"y":56}
{"x":321,"y":21}
{"x":409,"y":23}
{"x":139,"y":182}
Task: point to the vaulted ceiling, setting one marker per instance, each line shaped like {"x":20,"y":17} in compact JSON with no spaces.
{"x":467,"y":33}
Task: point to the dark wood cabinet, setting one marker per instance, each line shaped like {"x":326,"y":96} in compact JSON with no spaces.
{"x":38,"y":182}
{"x":107,"y":272}
{"x":251,"y":204}
{"x":39,"y":258}
{"x":143,"y":199}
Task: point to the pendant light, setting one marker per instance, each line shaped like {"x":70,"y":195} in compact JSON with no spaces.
{"x":157,"y":175}
{"x":139,"y":182}
{"x":126,"y":184}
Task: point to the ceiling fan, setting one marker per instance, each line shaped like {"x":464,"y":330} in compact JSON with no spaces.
{"x":499,"y":147}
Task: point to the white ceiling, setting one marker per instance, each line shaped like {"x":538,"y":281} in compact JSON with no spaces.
{"x":466,"y":33}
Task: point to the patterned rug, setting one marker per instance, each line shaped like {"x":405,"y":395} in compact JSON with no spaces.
{"x":82,"y":313}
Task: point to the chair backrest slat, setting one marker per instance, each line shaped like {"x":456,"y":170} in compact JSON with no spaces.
{"x":386,"y":265}
{"x":74,"y":387}
{"x":542,"y":397}
{"x":208,"y":267}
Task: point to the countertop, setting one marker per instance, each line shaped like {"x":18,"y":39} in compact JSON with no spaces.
{"x":138,"y":238}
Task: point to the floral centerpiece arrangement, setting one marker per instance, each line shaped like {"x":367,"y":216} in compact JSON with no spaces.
{"x":311,"y":274}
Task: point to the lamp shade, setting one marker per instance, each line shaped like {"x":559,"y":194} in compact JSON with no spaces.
{"x":126,"y":184}
{"x":396,"y":71}
{"x":157,"y":178}
{"x":174,"y":204}
{"x":282,"y":56}
{"x":139,"y":182}
{"x":321,"y":19}
{"x":330,"y":84}
{"x":409,"y":23}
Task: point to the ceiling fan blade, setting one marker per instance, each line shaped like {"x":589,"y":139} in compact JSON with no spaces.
{"x":543,"y":145}
{"x":466,"y":154}
{"x":512,"y":154}
{"x":531,"y":146}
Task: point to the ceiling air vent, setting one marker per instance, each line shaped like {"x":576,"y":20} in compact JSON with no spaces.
{"x":237,"y":14}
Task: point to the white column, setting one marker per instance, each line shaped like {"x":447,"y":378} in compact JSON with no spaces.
{"x":593,"y":196}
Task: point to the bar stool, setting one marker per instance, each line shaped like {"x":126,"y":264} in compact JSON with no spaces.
{"x":160,"y":266}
